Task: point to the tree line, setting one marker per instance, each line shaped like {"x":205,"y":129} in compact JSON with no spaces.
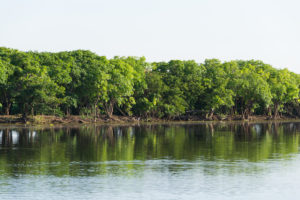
{"x":83,"y":83}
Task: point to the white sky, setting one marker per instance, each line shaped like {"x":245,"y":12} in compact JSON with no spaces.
{"x":160,"y":30}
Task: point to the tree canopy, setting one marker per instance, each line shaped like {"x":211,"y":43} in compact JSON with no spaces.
{"x":82,"y":82}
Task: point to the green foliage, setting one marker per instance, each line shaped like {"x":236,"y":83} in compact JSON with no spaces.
{"x":120,"y":85}
{"x":252,"y":89}
{"x":81,"y":82}
{"x":181,"y":86}
{"x":284,"y":88}
{"x":218,"y":92}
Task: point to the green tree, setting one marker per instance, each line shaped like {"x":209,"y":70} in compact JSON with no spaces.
{"x":7,"y":83}
{"x":252,"y":89}
{"x":34,"y":87}
{"x":120,"y":85}
{"x":89,"y":80}
{"x":284,"y":89}
{"x":217,"y":91}
{"x":133,"y":103}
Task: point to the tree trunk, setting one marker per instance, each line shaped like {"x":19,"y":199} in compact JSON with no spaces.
{"x":246,"y":113}
{"x":7,"y":104}
{"x":119,"y":109}
{"x":7,"y":109}
{"x":269,"y":111}
{"x":25,"y":111}
{"x":95,"y":112}
{"x":248,"y":110}
{"x":232,"y":111}
{"x":109,"y":108}
{"x":210,"y":115}
{"x":68,"y":111}
{"x":276,"y":108}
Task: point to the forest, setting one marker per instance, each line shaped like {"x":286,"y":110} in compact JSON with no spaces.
{"x":83,"y":83}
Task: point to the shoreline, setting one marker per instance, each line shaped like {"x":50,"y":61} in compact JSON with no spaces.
{"x":123,"y":120}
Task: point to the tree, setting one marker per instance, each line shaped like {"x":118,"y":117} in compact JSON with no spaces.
{"x":252,"y":89}
{"x":34,"y":87}
{"x":284,"y":88}
{"x":120,"y":85}
{"x":133,"y":104}
{"x":217,"y":91}
{"x":89,"y":80}
{"x":8,"y":82}
{"x":82,"y":82}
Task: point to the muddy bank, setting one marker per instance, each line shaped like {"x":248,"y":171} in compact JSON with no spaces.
{"x":74,"y":119}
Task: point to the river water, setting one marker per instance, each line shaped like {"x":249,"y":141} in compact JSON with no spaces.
{"x":167,"y":161}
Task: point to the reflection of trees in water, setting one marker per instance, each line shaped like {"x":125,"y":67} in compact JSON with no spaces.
{"x":12,"y":137}
{"x":68,"y":150}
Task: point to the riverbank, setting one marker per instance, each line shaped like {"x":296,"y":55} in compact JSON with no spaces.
{"x":72,"y":119}
{"x":76,"y":119}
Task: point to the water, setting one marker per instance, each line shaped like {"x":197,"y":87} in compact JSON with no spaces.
{"x":178,"y":161}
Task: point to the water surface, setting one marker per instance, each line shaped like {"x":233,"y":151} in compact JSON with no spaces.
{"x":176,"y":161}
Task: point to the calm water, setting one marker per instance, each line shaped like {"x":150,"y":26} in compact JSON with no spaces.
{"x":191,"y":161}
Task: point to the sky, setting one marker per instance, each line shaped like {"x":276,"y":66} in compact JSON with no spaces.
{"x":160,"y":30}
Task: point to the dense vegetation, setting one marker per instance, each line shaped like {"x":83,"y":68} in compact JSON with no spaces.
{"x":83,"y":83}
